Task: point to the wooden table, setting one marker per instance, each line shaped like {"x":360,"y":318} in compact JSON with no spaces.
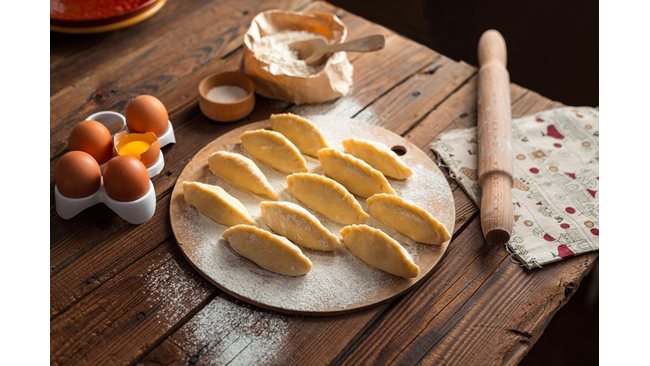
{"x":123,"y":293}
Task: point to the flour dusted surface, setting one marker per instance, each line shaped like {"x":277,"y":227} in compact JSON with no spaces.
{"x":338,"y":280}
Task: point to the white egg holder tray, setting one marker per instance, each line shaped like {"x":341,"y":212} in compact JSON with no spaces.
{"x":135,"y":212}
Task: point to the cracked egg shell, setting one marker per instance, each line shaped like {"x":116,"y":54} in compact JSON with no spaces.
{"x":147,"y":157}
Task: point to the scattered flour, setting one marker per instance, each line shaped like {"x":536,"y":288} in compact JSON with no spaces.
{"x":174,"y":297}
{"x":228,"y":332}
{"x":338,"y":280}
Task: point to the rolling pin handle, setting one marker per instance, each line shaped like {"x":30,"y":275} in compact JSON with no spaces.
{"x":492,"y":48}
{"x":494,"y":150}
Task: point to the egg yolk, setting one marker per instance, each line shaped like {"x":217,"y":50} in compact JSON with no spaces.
{"x":134,"y":148}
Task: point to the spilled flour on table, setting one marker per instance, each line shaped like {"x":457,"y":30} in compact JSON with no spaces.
{"x":226,"y":331}
{"x":338,"y":280}
{"x":172,"y":297}
{"x":258,"y":344}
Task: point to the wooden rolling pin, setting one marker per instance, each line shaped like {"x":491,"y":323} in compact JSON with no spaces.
{"x":494,"y":151}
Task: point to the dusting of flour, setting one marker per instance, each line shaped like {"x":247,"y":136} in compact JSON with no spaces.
{"x":226,"y":332}
{"x":338,"y":280}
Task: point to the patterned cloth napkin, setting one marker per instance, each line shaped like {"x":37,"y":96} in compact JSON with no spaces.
{"x":555,"y":193}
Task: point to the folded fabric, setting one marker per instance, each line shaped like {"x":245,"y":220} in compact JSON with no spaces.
{"x":555,"y":192}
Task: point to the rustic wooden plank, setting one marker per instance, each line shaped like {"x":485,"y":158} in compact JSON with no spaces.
{"x":99,"y":252}
{"x":460,"y":111}
{"x":158,"y":66}
{"x":80,"y":235}
{"x":200,"y":353}
{"x":410,"y":331}
{"x":227,"y":330}
{"x":342,"y":344}
{"x":93,"y":268}
{"x":514,"y":308}
{"x":71,"y":236}
{"x":82,"y":279}
{"x":407,"y":334}
{"x":71,"y":54}
{"x":164,"y":43}
{"x":89,"y":231}
{"x":314,"y":330}
{"x":184,"y":95}
{"x":532,"y":102}
{"x":410,"y":101}
{"x":375,"y":74}
{"x":143,"y":302}
{"x":250,"y":344}
{"x":95,"y":280}
{"x":180,"y":92}
{"x":305,"y":334}
{"x":436,"y":295}
{"x":65,"y":234}
{"x":369,"y":84}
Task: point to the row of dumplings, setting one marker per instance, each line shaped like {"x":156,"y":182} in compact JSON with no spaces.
{"x":362,"y":170}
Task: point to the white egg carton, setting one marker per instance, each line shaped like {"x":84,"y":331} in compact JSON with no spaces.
{"x":135,"y":212}
{"x":116,"y":122}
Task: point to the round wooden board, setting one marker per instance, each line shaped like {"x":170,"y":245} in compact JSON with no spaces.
{"x":339,"y":282}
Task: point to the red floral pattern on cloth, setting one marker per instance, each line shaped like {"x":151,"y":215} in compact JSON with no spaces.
{"x":555,"y":193}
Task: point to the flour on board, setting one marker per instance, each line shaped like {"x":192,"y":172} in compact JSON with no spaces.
{"x":339,"y":280}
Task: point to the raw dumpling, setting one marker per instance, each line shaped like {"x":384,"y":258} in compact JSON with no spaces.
{"x":272,"y":148}
{"x":217,"y":204}
{"x":241,"y":171}
{"x":326,"y":197}
{"x":407,"y":218}
{"x":272,"y":252}
{"x":379,"y":250}
{"x":301,"y":131}
{"x":297,"y":225}
{"x":378,"y":156}
{"x":354,"y":174}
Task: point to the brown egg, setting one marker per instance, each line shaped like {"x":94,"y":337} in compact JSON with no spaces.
{"x":125,"y":178}
{"x":77,"y":174}
{"x":145,"y":113}
{"x":92,"y":137}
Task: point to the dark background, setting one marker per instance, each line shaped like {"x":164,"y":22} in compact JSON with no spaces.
{"x":553,"y":50}
{"x":552,"y":44}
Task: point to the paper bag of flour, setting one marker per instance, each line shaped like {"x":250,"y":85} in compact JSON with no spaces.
{"x":277,"y":75}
